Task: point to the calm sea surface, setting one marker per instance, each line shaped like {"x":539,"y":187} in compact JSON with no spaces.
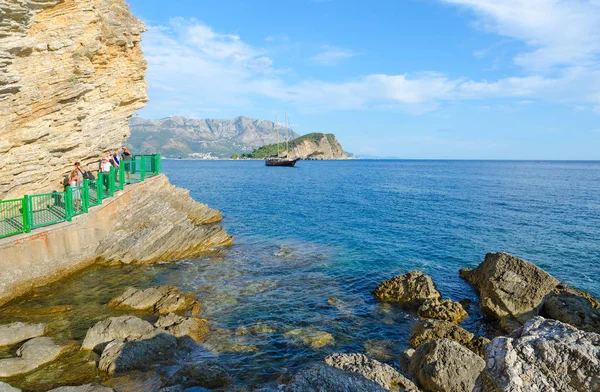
{"x":312,"y":242}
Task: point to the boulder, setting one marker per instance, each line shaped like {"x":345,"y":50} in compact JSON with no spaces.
{"x":321,"y":378}
{"x":122,"y":328}
{"x":209,"y":375}
{"x":428,"y":330}
{"x":159,"y":300}
{"x":17,"y":332}
{"x":384,"y":375}
{"x":574,"y":307}
{"x":447,"y":310}
{"x":446,"y":366}
{"x":4,"y":387}
{"x":309,"y":337}
{"x":178,"y":326}
{"x":120,"y":356}
{"x":510,"y":289}
{"x":544,"y":355}
{"x":409,"y":290}
{"x":33,"y":354}
{"x":84,"y":388}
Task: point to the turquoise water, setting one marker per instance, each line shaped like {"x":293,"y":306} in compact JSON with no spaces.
{"x":328,"y":230}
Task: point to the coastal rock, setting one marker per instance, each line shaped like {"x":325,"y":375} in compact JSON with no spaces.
{"x":428,"y":330}
{"x":312,"y":146}
{"x":122,"y":328}
{"x":17,"y":332}
{"x":4,"y":387}
{"x":573,"y":307}
{"x":447,"y":310}
{"x":321,"y":377}
{"x":159,"y":300}
{"x":446,"y":366}
{"x":544,"y":355}
{"x":178,"y":326}
{"x":83,"y":388}
{"x":33,"y":354}
{"x":67,"y":70}
{"x":510,"y":289}
{"x":409,"y":290}
{"x":384,"y":375}
{"x":309,"y":337}
{"x":120,"y":356}
{"x":209,"y":375}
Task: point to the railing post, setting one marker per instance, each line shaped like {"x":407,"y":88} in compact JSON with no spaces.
{"x":122,"y":175}
{"x":26,"y":214}
{"x":100,"y":187}
{"x":143,"y":167}
{"x":111,"y":182}
{"x":68,"y":195}
{"x":85,"y":197}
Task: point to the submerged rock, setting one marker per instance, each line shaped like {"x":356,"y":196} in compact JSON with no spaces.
{"x":545,"y":355}
{"x":510,"y":289}
{"x":574,"y":307}
{"x":120,"y":356}
{"x":159,"y":300}
{"x":321,"y":378}
{"x":33,"y":354}
{"x":84,"y":388}
{"x":447,"y":310}
{"x":17,"y":332}
{"x":409,"y":290}
{"x":446,"y":366}
{"x":178,"y":326}
{"x":310,"y":337}
{"x":122,"y":328}
{"x":209,"y":375}
{"x":384,"y":375}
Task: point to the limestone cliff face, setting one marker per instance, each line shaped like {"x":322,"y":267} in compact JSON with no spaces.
{"x":317,"y":146}
{"x":71,"y":76}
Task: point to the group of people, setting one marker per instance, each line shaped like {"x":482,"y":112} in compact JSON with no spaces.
{"x":78,"y":174}
{"x":114,"y":159}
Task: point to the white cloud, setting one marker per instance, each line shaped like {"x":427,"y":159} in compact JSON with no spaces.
{"x":331,"y":55}
{"x":557,"y":32}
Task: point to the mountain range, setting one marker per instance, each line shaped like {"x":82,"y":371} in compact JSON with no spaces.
{"x":175,"y":137}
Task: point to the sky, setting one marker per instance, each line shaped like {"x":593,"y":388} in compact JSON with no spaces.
{"x":414,"y":79}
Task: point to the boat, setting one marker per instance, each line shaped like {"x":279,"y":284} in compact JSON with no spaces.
{"x":278,"y":160}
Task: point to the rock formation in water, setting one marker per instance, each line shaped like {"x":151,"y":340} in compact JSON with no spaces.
{"x":190,"y":138}
{"x":314,"y":146}
{"x":71,"y":76}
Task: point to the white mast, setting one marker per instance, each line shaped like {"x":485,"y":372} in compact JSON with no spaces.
{"x":276,"y":130}
{"x":287,"y":135}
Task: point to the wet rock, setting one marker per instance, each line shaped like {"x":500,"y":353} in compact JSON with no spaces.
{"x":310,"y":337}
{"x":405,"y":360}
{"x":409,"y":290}
{"x":4,"y":387}
{"x":159,"y":300}
{"x":256,"y":329}
{"x":320,"y":378}
{"x":545,"y":355}
{"x":510,"y":289}
{"x":382,"y":350}
{"x":571,"y":306}
{"x":195,"y":328}
{"x":174,"y":388}
{"x":384,"y":375}
{"x":120,"y":356}
{"x":447,"y":310}
{"x":33,"y":354}
{"x":428,"y":330}
{"x":446,"y":366}
{"x":122,"y":328}
{"x":17,"y":332}
{"x":209,"y":375}
{"x":84,"y":388}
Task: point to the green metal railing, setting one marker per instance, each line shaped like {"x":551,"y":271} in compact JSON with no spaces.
{"x":32,"y":211}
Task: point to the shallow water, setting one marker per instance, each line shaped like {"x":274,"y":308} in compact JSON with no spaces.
{"x":312,"y":242}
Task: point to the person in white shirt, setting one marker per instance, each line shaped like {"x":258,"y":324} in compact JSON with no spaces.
{"x":105,"y":166}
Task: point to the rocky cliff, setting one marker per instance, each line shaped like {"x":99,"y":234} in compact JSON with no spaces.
{"x":189,"y":138}
{"x":71,"y":75}
{"x":314,"y":146}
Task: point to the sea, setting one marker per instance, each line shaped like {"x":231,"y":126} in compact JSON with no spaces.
{"x":312,"y":242}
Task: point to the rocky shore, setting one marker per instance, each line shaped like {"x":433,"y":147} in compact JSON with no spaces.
{"x":551,"y":342}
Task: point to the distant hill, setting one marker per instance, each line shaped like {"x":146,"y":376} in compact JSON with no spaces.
{"x":314,"y":146}
{"x":188,"y":138}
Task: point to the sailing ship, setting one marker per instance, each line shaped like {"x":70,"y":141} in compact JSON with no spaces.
{"x":278,"y":160}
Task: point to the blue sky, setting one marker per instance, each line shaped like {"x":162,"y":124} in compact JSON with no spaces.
{"x":458,"y":79}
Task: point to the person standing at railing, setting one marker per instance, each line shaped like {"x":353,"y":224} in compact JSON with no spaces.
{"x":75,"y":179}
{"x":105,"y":166}
{"x":126,"y":159}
